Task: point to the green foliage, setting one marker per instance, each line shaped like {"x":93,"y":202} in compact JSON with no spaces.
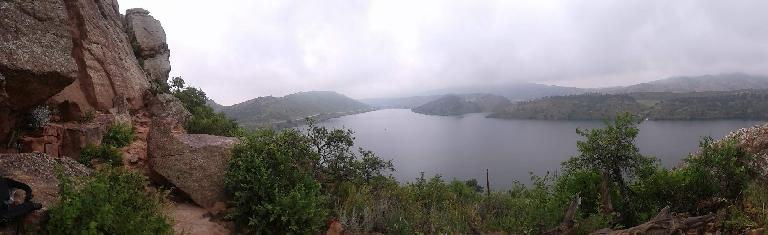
{"x":87,"y":117}
{"x":118,"y":135}
{"x":273,"y":187}
{"x":611,"y":150}
{"x":204,"y":120}
{"x":110,"y":201}
{"x":105,"y":153}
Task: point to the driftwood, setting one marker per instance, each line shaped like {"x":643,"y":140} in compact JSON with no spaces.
{"x":566,"y":227}
{"x":667,"y":223}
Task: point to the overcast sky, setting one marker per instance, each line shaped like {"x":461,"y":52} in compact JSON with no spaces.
{"x":241,"y":49}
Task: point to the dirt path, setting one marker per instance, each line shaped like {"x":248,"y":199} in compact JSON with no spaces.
{"x":190,"y":220}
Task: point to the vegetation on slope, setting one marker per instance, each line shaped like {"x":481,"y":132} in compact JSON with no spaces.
{"x":111,"y":201}
{"x":450,"y":105}
{"x":270,"y":111}
{"x":204,"y":120}
{"x":744,"y":104}
{"x":574,"y":107}
{"x":685,"y":84}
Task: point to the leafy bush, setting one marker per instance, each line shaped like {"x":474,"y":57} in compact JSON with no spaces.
{"x":110,"y":201}
{"x":272,"y":186}
{"x":106,"y":153}
{"x":204,"y":120}
{"x":118,"y":135}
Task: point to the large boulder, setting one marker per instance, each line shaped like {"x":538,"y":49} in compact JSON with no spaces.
{"x":168,"y":111}
{"x":149,"y":43}
{"x":195,"y":164}
{"x":35,"y":58}
{"x":39,"y":172}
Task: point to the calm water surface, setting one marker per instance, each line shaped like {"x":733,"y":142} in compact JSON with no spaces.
{"x":463,"y":147}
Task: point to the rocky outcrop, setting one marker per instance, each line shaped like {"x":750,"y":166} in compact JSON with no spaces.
{"x":754,"y":140}
{"x":36,"y":61}
{"x":193,"y":163}
{"x":107,"y":67}
{"x":149,"y":44}
{"x":39,"y":172}
{"x":168,"y":111}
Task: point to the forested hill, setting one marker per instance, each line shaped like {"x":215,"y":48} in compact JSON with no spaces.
{"x":684,"y":84}
{"x":463,"y":104}
{"x":743,"y":104}
{"x":285,"y":111}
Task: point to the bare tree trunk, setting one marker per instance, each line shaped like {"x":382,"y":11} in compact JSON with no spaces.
{"x":566,"y":227}
{"x":605,"y":194}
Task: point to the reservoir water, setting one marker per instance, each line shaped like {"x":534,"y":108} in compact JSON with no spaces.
{"x":463,"y":147}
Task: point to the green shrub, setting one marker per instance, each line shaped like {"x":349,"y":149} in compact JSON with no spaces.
{"x":104,"y":153}
{"x":87,"y":117}
{"x":272,"y":186}
{"x":204,"y":120}
{"x":522,"y":209}
{"x":118,"y":135}
{"x":110,"y":201}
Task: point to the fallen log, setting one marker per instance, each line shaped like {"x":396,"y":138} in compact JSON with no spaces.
{"x":667,"y":222}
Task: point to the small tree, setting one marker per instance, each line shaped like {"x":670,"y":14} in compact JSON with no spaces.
{"x":612,"y":151}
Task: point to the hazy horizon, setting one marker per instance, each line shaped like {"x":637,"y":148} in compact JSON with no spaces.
{"x":237,"y":50}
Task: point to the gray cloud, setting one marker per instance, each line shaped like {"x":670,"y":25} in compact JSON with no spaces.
{"x":240,"y":49}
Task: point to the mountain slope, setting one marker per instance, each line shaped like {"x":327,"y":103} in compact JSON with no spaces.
{"x":267,"y":111}
{"x":449,"y":105}
{"x":743,"y":104}
{"x":573,"y":107}
{"x":683,"y":84}
{"x":513,"y":92}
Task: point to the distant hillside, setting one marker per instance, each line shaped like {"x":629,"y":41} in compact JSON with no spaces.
{"x":513,"y":92}
{"x":573,"y":107}
{"x":744,"y":104}
{"x":285,"y":111}
{"x":719,"y":82}
{"x":747,"y":104}
{"x":400,"y":102}
{"x":215,"y":106}
{"x":462,"y":104}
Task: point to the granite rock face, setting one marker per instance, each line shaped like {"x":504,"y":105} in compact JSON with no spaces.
{"x":106,"y":64}
{"x":193,"y":163}
{"x":36,"y":61}
{"x":149,"y":43}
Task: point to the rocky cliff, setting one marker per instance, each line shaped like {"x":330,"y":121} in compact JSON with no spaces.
{"x":73,"y":68}
{"x":78,"y":58}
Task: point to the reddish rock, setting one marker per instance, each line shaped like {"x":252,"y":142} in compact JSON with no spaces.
{"x":103,"y":53}
{"x":193,"y":163}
